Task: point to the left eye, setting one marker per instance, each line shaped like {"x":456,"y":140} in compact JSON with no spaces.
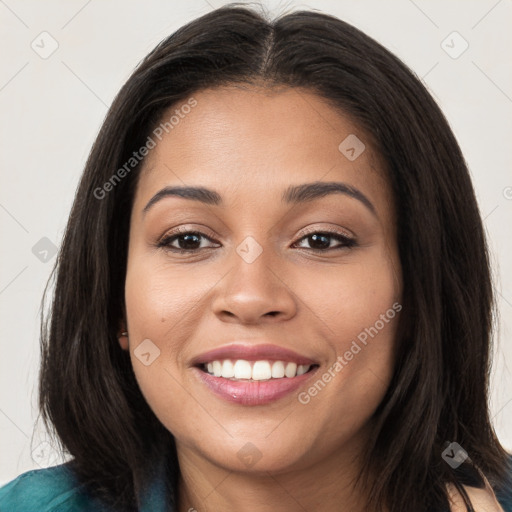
{"x":191,"y":241}
{"x":321,"y":241}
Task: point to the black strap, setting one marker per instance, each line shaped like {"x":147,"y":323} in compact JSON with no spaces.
{"x":465,"y":496}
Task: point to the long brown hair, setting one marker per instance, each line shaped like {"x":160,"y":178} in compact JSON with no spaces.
{"x":439,"y":390}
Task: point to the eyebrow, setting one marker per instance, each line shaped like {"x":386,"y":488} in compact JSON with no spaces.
{"x":294,"y":194}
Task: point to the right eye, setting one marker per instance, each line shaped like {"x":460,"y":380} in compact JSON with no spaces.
{"x":187,"y":241}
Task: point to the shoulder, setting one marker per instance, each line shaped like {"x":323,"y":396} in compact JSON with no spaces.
{"x":484,"y":498}
{"x":53,"y":489}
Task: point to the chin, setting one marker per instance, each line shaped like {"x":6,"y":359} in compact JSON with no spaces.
{"x":253,"y":454}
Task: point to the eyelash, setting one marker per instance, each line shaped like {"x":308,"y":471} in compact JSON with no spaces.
{"x":165,"y":243}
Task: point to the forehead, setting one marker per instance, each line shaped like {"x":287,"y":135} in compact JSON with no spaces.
{"x":254,"y":142}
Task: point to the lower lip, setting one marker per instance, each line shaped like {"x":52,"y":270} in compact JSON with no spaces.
{"x":253,"y":393}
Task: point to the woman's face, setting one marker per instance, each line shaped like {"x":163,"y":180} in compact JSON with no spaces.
{"x":277,"y":279}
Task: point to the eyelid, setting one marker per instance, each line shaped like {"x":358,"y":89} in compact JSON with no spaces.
{"x":338,"y":231}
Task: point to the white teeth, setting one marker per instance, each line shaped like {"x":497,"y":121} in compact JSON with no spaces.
{"x":243,"y":369}
{"x":217,"y":368}
{"x":302,"y":368}
{"x":278,"y":370}
{"x":258,"y":370}
{"x":290,"y":370}
{"x":227,"y":369}
{"x":261,"y":370}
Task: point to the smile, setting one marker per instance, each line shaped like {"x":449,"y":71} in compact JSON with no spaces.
{"x":252,"y":374}
{"x":255,"y":370}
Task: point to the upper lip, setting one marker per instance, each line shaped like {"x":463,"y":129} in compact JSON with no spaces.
{"x":251,"y":352}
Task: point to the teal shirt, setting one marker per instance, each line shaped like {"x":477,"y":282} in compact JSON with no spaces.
{"x":55,"y":489}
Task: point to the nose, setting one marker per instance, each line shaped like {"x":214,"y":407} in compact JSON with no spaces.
{"x":254,"y":292}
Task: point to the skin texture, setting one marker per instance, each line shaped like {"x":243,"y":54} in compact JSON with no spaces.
{"x":483,"y":500}
{"x":249,"y":144}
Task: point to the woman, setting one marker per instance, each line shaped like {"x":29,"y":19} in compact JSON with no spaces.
{"x":273,"y":291}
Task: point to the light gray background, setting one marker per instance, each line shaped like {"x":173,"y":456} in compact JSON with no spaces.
{"x":52,"y":109}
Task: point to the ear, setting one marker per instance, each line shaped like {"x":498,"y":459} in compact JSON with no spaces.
{"x":123,"y":341}
{"x":122,"y":335}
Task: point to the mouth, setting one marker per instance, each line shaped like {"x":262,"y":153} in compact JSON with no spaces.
{"x":253,"y":374}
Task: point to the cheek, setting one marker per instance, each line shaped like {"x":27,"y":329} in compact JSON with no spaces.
{"x":166,"y":304}
{"x":162,"y":307}
{"x":161,"y":303}
{"x":356,"y":309}
{"x":351,"y":298}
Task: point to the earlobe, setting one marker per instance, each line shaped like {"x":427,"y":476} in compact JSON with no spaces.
{"x":123,"y":339}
